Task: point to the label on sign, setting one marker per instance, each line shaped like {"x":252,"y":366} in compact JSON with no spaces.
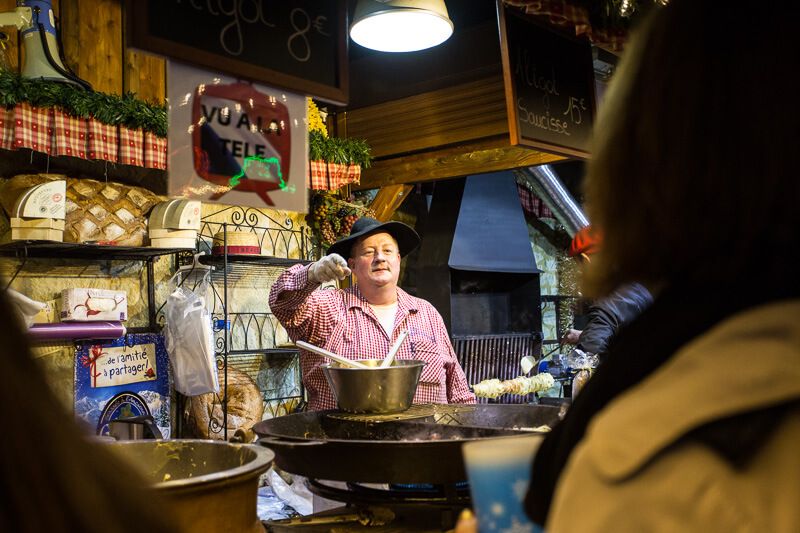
{"x":123,"y":365}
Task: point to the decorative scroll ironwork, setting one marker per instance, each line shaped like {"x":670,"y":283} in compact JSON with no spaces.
{"x":248,"y":341}
{"x":276,"y":239}
{"x":248,"y":331}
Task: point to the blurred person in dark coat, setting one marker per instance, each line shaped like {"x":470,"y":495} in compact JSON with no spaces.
{"x":609,"y":314}
{"x":55,"y":478}
{"x":692,"y":422}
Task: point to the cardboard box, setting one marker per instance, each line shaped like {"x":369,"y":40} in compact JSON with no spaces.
{"x":41,"y":223}
{"x":168,"y":238}
{"x":37,"y":229}
{"x":91,"y":305}
{"x":49,"y":313}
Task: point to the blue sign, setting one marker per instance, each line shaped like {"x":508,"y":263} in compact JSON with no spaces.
{"x":122,"y":378}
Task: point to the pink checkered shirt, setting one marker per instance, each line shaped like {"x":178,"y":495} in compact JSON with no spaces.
{"x":341,"y":321}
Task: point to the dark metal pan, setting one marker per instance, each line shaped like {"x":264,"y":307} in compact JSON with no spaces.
{"x":427,"y":449}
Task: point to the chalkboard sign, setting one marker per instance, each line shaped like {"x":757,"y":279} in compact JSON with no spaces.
{"x":550,"y":87}
{"x":298,"y":46}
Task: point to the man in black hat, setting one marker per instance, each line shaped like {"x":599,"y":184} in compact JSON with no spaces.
{"x":363,"y":321}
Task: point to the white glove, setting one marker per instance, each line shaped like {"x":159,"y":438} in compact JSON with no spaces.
{"x":328,"y":268}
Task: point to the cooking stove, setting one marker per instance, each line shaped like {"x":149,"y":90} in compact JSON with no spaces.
{"x":398,"y":507}
{"x":409,"y":462}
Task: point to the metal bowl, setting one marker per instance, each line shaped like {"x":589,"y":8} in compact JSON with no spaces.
{"x":211,"y":485}
{"x":374,"y":390}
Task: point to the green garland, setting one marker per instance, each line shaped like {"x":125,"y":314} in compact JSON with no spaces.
{"x":133,"y":113}
{"x":340,"y":151}
{"x":128,"y":110}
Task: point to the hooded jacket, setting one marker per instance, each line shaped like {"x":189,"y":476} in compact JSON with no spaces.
{"x":706,"y":442}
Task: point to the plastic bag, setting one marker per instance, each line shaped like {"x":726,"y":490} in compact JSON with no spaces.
{"x":582,"y":365}
{"x":189,"y":337}
{"x":297,"y":495}
{"x":25,"y":308}
{"x":269,"y":506}
{"x":580,"y":359}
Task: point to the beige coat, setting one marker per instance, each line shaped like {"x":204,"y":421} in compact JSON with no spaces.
{"x":628,"y":473}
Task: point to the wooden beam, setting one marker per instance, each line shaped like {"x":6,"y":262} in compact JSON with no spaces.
{"x":489,"y":155}
{"x":446,"y":117}
{"x":145,"y":75}
{"x":100,"y":44}
{"x":388,"y":200}
{"x":69,"y":13}
{"x":11,"y":50}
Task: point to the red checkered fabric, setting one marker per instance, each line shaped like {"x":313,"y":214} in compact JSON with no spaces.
{"x":131,"y":147}
{"x":155,"y":151}
{"x":102,"y":142}
{"x":70,"y":135}
{"x":7,"y":128}
{"x":532,"y":204}
{"x":318,"y":175}
{"x":354,"y":174}
{"x":342,"y":322}
{"x":337,"y":175}
{"x":567,"y":13}
{"x":56,"y":133}
{"x":33,"y":128}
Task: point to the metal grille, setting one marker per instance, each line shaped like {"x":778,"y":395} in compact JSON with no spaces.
{"x":277,"y":376}
{"x":441,"y":413}
{"x":496,"y":356}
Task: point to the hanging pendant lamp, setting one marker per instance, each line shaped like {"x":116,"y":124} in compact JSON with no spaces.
{"x":400,"y":25}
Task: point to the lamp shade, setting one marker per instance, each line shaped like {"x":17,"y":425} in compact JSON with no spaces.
{"x":400,"y":25}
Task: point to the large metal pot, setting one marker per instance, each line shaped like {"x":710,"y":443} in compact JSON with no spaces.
{"x":359,"y":448}
{"x":212,"y":485}
{"x":374,"y":390}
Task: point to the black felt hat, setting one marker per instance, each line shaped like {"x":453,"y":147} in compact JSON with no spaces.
{"x":407,"y":239}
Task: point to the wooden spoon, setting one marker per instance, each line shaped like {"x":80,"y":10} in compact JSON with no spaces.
{"x":393,"y":350}
{"x":330,"y":355}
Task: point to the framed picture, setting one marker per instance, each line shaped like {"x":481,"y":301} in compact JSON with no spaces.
{"x":300,"y":46}
{"x":549,"y":83}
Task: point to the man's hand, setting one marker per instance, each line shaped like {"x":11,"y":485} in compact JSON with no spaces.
{"x":328,"y":268}
{"x":571,"y":337}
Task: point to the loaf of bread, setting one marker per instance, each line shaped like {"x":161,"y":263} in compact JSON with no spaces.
{"x":203,"y":413}
{"x":95,"y":211}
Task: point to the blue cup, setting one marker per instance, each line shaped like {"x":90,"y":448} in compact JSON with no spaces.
{"x":499,"y":471}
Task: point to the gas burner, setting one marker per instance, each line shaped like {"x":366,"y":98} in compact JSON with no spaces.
{"x":451,"y":494}
{"x":449,"y":499}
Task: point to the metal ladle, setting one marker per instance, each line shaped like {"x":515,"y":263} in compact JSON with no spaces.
{"x":330,"y":355}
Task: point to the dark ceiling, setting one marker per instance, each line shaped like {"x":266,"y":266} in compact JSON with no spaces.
{"x":473,"y":51}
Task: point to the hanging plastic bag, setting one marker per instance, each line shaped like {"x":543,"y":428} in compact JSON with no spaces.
{"x":189,"y":337}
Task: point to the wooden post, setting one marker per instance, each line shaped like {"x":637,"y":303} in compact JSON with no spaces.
{"x":388,"y":200}
{"x":12,"y":49}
